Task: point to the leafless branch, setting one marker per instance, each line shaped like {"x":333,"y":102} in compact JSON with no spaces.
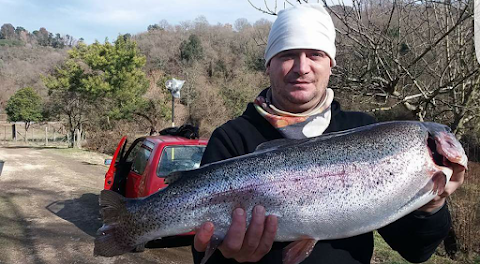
{"x":268,"y":11}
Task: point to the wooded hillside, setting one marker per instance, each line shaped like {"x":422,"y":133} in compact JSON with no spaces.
{"x":396,"y":60}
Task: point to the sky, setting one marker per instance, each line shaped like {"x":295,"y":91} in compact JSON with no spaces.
{"x":97,"y":19}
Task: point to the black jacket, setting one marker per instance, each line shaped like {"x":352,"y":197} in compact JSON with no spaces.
{"x":415,"y":236}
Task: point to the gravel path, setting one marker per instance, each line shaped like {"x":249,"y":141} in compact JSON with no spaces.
{"x":49,"y":209}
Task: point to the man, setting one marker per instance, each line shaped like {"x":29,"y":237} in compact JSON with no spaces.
{"x":299,"y":56}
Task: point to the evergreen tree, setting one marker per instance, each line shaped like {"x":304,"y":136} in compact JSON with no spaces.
{"x":99,"y":79}
{"x":25,"y":106}
{"x":192,"y":49}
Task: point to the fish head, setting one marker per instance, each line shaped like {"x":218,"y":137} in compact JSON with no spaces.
{"x":444,"y":146}
{"x":445,"y":150}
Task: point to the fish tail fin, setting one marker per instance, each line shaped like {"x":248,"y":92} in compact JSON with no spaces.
{"x":111,"y":239}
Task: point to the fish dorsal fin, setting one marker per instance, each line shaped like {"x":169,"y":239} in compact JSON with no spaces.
{"x":280,"y":143}
{"x":173,"y":177}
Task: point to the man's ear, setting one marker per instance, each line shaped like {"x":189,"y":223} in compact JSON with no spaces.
{"x":331,"y":65}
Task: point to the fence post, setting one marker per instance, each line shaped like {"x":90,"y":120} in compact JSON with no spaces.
{"x":14,"y":132}
{"x":46,"y":135}
{"x":33,"y":133}
{"x":54,"y":130}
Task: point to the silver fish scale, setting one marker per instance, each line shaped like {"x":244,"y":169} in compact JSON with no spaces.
{"x":320,"y":188}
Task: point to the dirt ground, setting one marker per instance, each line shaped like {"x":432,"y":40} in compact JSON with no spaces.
{"x":49,"y":209}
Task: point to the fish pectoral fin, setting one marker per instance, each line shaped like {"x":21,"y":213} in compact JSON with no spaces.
{"x":298,"y":251}
{"x":439,"y":180}
{"x":215,"y":241}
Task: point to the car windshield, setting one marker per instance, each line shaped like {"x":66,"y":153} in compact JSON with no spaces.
{"x":179,"y":158}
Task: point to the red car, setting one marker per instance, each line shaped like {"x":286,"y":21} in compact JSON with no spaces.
{"x":141,"y":170}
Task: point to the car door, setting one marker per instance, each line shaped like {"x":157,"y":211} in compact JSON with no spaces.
{"x":117,"y":156}
{"x":139,"y":159}
{"x":123,"y":165}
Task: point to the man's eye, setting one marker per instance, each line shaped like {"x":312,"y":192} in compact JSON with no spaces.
{"x":319,"y":54}
{"x":286,"y":56}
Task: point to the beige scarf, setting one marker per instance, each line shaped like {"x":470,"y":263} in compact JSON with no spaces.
{"x":308,"y":124}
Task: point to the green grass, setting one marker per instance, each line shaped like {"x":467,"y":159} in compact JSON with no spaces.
{"x":84,"y":155}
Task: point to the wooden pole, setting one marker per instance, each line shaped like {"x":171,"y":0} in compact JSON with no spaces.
{"x":46,"y":135}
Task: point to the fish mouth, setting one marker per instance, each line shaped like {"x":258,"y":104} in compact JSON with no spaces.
{"x":443,"y":150}
{"x":446,"y":150}
{"x":437,"y":157}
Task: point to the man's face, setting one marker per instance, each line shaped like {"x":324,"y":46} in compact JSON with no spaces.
{"x":298,"y":79}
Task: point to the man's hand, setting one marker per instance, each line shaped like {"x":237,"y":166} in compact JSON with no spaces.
{"x":243,"y":246}
{"x":455,"y":181}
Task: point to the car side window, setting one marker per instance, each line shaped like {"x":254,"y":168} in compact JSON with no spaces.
{"x":133,"y":152}
{"x":179,"y":158}
{"x":141,"y":159}
{"x":139,"y":155}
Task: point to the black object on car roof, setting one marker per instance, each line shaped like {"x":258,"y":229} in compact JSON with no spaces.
{"x":186,"y":131}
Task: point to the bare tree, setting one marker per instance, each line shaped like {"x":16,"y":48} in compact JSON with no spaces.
{"x":415,"y":57}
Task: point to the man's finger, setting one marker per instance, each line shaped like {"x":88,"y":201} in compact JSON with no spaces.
{"x":253,"y":235}
{"x":236,"y":233}
{"x":203,"y":236}
{"x":268,"y":237}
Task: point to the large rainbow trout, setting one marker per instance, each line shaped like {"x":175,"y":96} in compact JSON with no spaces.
{"x":333,"y":186}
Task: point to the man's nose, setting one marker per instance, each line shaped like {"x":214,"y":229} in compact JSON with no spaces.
{"x":301,"y":65}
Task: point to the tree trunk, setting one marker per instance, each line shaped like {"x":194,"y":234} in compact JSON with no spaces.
{"x":72,"y":137}
{"x":79,"y":139}
{"x":26,"y":130}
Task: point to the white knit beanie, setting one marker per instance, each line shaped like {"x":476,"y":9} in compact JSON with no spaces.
{"x":305,"y":26}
